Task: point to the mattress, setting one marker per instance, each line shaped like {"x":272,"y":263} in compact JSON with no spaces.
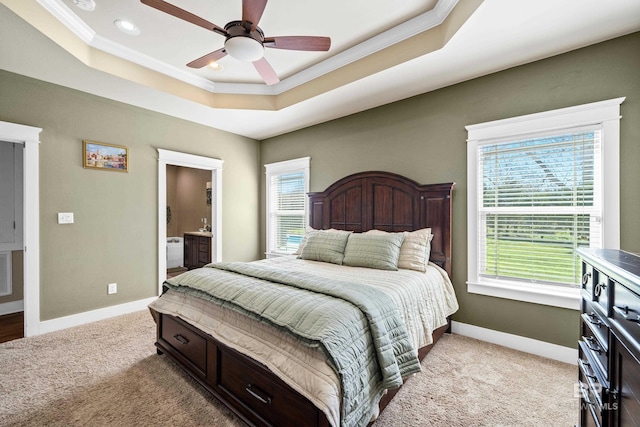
{"x":424,"y":301}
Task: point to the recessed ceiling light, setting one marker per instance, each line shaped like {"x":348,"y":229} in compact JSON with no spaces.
{"x":127,"y":27}
{"x":216,"y":66}
{"x":88,"y":5}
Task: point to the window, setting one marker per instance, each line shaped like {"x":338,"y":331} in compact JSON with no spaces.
{"x":540,"y":186}
{"x":287,"y":188}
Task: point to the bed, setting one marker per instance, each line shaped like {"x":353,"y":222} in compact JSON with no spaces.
{"x":280,"y":342}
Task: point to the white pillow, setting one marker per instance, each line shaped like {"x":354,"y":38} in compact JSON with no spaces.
{"x":415,"y":249}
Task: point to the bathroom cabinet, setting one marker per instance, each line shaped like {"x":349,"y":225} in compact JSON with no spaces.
{"x":197,"y":250}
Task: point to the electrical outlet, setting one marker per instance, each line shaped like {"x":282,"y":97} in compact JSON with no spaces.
{"x":112,"y":288}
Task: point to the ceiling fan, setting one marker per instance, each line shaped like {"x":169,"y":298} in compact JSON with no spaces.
{"x":245,"y":41}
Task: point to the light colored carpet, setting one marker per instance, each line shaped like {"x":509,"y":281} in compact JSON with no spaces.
{"x":108,"y":374}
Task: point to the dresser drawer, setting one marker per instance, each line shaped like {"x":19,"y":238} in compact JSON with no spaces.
{"x":626,"y":311}
{"x":597,"y":351}
{"x":587,"y":279}
{"x":601,"y":290}
{"x":593,"y":416}
{"x":203,"y":258}
{"x":190,"y":345}
{"x":593,"y":387}
{"x":593,"y":319}
{"x":264,"y":393}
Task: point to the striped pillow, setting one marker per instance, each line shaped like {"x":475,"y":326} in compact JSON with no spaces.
{"x":373,"y":251}
{"x":325,"y":246}
{"x":415,"y":250}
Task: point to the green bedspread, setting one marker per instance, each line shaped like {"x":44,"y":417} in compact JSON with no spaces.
{"x":358,"y":327}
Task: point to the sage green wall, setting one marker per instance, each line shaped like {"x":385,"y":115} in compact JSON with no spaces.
{"x":115,"y":235}
{"x":424,"y":138}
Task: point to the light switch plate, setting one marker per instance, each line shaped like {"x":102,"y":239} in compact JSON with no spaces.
{"x":65,"y":217}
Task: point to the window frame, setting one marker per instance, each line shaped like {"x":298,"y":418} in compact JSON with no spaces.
{"x":605,"y":114}
{"x":280,"y":168}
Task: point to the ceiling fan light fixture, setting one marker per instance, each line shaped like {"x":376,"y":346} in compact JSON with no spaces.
{"x":216,"y":66}
{"x":244,"y":48}
{"x":127,"y":27}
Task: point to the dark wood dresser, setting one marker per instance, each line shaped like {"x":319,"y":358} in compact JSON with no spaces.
{"x":609,"y":348}
{"x":197,"y":250}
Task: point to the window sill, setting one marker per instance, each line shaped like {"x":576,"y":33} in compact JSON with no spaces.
{"x":537,"y":294}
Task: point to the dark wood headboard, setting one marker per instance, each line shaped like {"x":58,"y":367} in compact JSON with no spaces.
{"x":389,"y":202}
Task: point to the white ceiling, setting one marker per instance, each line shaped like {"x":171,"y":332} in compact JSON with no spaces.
{"x":176,"y":42}
{"x":498,"y":35}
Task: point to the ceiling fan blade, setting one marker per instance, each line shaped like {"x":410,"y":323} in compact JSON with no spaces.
{"x":165,"y":7}
{"x":252,"y":11}
{"x":266,"y":71}
{"x":314,"y":43}
{"x":208,"y":59}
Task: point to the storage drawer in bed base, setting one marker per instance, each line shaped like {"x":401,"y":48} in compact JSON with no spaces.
{"x":246,"y":387}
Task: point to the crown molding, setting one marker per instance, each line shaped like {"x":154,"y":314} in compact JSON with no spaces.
{"x":408,"y":29}
{"x":76,"y":25}
{"x":69,"y":19}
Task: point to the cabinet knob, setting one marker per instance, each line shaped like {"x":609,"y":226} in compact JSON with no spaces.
{"x":627,"y":313}
{"x":592,"y":344}
{"x":593,"y":319}
{"x":599,"y":288}
{"x":585,"y":278}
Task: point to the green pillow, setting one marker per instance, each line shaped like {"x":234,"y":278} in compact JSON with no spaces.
{"x":380,"y":251}
{"x":325,"y":246}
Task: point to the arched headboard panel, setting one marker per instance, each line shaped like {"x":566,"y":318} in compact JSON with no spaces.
{"x":390,"y":202}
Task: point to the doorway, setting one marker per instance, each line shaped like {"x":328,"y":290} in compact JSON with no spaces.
{"x":11,"y":247}
{"x":168,"y":158}
{"x":29,"y":138}
{"x":188,"y":218}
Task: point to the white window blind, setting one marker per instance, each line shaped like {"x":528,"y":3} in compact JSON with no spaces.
{"x":538,"y":187}
{"x":287,"y":187}
{"x":540,"y":199}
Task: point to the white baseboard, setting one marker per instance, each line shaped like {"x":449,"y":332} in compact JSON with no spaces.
{"x":94,"y":315}
{"x":11,"y":307}
{"x":528,"y":345}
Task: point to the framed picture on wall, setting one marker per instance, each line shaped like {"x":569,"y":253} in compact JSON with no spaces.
{"x":98,"y":155}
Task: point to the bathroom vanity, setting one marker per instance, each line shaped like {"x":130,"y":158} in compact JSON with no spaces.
{"x":197,"y":249}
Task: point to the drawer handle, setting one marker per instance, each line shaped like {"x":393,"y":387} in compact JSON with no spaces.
{"x":250,"y":389}
{"x":626,"y":313}
{"x":593,"y":319}
{"x":181,"y":339}
{"x":586,"y":365}
{"x":585,"y":394}
{"x":585,"y":278}
{"x":599,"y":288}
{"x":592,"y":344}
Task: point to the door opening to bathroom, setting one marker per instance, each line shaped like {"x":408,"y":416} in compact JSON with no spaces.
{"x":188,"y":215}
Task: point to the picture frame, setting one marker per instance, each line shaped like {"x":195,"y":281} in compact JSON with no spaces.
{"x":102,"y":156}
